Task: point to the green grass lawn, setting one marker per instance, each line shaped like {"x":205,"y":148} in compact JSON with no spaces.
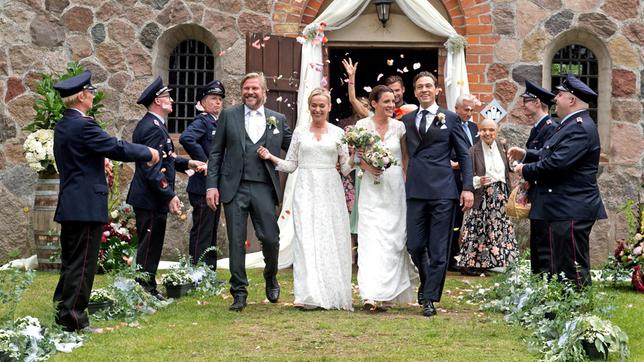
{"x":204,"y":330}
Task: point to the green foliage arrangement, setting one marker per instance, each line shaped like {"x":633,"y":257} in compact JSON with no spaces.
{"x":49,"y":106}
{"x":556,"y":313}
{"x":13,"y":283}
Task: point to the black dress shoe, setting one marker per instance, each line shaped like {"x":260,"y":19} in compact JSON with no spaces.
{"x":421,"y":299}
{"x":239,"y":303}
{"x":155,"y":293}
{"x":428,"y":309}
{"x":272,"y":289}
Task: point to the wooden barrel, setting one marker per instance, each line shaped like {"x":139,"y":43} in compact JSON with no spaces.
{"x":46,"y":230}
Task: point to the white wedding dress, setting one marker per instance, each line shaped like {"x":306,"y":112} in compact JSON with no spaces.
{"x":322,"y":244}
{"x":385,"y":271}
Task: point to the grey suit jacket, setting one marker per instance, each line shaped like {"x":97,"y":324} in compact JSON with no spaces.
{"x":228,"y":148}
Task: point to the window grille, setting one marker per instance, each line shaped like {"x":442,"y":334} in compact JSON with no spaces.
{"x":191,"y":66}
{"x":582,"y":63}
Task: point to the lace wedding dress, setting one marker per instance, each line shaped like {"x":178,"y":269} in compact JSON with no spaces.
{"x":322,"y":244}
{"x":384,"y":266}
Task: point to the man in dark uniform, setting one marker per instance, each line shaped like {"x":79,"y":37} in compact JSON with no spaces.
{"x":536,"y":104}
{"x":564,"y":172}
{"x":464,"y":108}
{"x":196,"y":140}
{"x":80,"y":148}
{"x":247,"y":184}
{"x":152,"y":189}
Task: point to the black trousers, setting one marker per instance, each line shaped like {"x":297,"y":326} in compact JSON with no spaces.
{"x":258,"y":200}
{"x":429,"y":232}
{"x":540,"y":252}
{"x":455,"y":247}
{"x":570,"y":249}
{"x":150,"y":228}
{"x":203,"y":233}
{"x":79,"y":243}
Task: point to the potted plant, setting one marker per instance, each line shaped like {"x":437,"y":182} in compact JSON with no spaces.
{"x":100,"y":299}
{"x":177,"y":282}
{"x":593,"y":337}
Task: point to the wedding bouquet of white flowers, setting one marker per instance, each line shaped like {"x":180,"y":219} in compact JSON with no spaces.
{"x":379,"y":157}
{"x":360,"y":138}
{"x":39,"y":150}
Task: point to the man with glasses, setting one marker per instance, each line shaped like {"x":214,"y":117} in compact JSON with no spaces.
{"x":464,"y":108}
{"x":564,"y":173}
{"x":536,"y":104}
{"x":152,"y":189}
{"x":80,"y":148}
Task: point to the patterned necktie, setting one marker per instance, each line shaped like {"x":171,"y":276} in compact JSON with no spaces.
{"x":422,"y":129}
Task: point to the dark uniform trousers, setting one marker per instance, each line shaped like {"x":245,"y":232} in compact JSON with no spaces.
{"x":203,"y":233}
{"x":150,"y":226}
{"x":540,"y":252}
{"x":80,"y":242}
{"x":569,"y":250}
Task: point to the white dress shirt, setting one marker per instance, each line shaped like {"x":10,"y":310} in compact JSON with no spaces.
{"x":433,"y":109}
{"x":494,"y":166}
{"x":255,"y":123}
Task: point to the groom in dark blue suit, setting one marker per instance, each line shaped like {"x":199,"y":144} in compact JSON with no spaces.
{"x":432,"y":134}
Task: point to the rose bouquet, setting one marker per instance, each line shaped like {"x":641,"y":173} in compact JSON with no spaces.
{"x":119,"y":240}
{"x":379,"y":157}
{"x":39,"y":151}
{"x":360,"y":138}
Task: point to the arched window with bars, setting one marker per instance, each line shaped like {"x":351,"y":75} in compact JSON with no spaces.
{"x":582,"y":63}
{"x":191,"y":65}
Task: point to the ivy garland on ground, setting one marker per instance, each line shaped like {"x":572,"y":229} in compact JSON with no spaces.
{"x":563,"y":321}
{"x":26,"y":339}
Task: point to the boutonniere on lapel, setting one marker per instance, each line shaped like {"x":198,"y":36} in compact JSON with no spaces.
{"x":271,"y":122}
{"x":441,"y":119}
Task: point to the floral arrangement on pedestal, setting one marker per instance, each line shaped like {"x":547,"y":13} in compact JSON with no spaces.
{"x":627,"y":260}
{"x":39,"y":151}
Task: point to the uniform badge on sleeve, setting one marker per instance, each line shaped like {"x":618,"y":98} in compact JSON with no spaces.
{"x":579,"y":120}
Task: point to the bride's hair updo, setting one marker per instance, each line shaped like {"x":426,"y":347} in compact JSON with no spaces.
{"x":320,"y":92}
{"x":377,"y":92}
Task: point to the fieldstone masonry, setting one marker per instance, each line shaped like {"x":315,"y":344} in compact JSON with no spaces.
{"x":124,"y":44}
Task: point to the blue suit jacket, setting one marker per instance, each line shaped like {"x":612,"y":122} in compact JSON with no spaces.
{"x":565,"y":173}
{"x":80,"y":147}
{"x":540,"y":134}
{"x":153,"y":187}
{"x":196,"y":140}
{"x":429,"y":174}
{"x":474,"y":131}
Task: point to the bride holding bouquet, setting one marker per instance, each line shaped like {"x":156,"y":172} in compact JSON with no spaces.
{"x":384,"y":267}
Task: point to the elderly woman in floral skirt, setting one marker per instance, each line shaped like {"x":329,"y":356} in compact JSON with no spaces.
{"x":488,"y":235}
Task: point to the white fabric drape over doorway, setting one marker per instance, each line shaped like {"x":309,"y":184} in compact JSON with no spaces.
{"x":337,"y":15}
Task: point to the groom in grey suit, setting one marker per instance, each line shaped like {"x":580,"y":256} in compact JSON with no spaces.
{"x":246,"y":184}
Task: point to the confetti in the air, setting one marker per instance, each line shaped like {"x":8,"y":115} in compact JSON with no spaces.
{"x":267,"y":37}
{"x":279,"y":99}
{"x":416,"y":66}
{"x":390,"y":62}
{"x":256,"y":44}
{"x":402,"y":56}
{"x":405,"y":70}
{"x":367,"y":89}
{"x":379,"y":76}
{"x":338,"y":100}
{"x":323,"y":82}
{"x":399,"y":71}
